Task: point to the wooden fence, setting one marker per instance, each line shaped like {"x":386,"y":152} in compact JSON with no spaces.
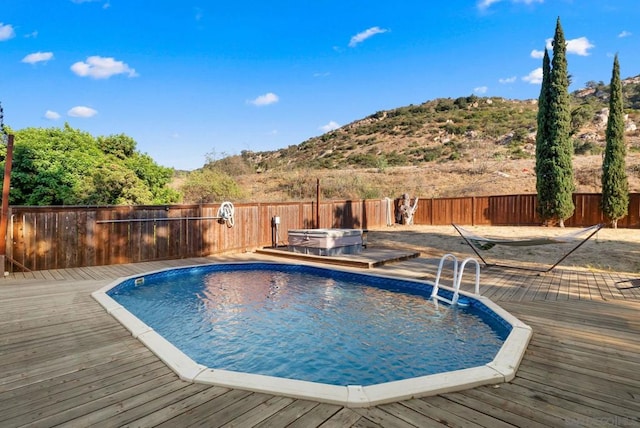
{"x":516,"y":210}
{"x":64,"y":237}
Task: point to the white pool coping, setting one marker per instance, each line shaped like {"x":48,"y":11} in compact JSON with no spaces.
{"x":501,"y":369}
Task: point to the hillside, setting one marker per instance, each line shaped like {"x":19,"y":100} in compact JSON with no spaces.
{"x":443,"y":147}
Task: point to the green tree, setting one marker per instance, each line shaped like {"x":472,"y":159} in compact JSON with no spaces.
{"x":50,"y":166}
{"x":114,"y":184}
{"x":121,"y":146}
{"x":615,"y":186}
{"x":545,"y":196}
{"x":554,"y":167}
{"x":65,"y":166}
{"x":153,"y":176}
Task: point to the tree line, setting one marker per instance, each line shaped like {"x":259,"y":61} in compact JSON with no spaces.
{"x":554,"y":149}
{"x":66,"y":166}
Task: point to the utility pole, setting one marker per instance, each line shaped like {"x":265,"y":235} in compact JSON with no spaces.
{"x":6,"y":187}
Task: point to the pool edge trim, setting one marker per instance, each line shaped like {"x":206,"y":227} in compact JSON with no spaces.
{"x":501,"y":369}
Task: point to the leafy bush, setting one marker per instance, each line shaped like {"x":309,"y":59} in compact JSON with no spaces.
{"x":454,"y":129}
{"x":232,"y":166}
{"x":586,"y":148}
{"x":580,"y":116}
{"x":66,"y":166}
{"x":519,"y":153}
{"x":520,"y":135}
{"x":428,"y":154}
{"x":366,"y":160}
{"x":445,"y":104}
{"x":209,"y":185}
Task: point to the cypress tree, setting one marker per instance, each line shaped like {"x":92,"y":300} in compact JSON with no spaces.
{"x":545,"y":197}
{"x":615,"y":186}
{"x":558,"y":160}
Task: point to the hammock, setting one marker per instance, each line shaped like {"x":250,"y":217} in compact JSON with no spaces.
{"x":477,"y":242}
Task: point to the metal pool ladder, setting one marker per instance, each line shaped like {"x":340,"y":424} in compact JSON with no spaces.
{"x":457,"y":279}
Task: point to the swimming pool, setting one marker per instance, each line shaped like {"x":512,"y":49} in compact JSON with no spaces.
{"x":313,"y":332}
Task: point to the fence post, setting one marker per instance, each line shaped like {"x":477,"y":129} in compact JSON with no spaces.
{"x":473,"y":211}
{"x":6,"y":186}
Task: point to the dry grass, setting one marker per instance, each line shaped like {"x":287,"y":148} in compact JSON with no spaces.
{"x":431,"y":180}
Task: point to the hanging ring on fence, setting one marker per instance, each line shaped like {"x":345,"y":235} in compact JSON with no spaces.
{"x":226,"y":213}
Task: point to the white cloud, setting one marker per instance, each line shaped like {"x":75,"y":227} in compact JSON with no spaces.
{"x":52,"y":115}
{"x":329,"y":126}
{"x":37,"y":57}
{"x":507,"y":80}
{"x":6,"y":32}
{"x":485,"y":4}
{"x":265,"y":100}
{"x":99,"y":67}
{"x":579,"y":46}
{"x":480,"y":90}
{"x":625,"y":33}
{"x":537,"y":54}
{"x":535,"y":77}
{"x":82,"y":111}
{"x":364,"y":35}
{"x":106,"y":5}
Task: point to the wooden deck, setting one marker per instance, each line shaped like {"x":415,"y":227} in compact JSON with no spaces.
{"x":65,"y":362}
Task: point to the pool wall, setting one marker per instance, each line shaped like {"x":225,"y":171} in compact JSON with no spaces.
{"x":501,"y":369}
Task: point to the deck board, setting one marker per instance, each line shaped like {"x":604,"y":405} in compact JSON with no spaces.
{"x":183,"y":405}
{"x":65,"y":362}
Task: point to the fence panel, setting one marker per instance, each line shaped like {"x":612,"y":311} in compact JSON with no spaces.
{"x":587,"y":210}
{"x":64,"y":237}
{"x":633,"y":219}
{"x":374,"y":213}
{"x":481,"y":210}
{"x":452,"y":210}
{"x":424,"y":213}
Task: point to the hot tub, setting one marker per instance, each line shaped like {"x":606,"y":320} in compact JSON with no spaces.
{"x":325,"y":242}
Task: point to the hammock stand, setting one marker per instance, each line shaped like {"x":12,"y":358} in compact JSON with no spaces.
{"x":481,"y":243}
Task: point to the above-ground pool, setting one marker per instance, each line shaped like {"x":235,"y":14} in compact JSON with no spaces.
{"x":311,"y":332}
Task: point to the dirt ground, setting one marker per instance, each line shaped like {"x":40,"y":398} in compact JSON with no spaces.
{"x":611,"y":250}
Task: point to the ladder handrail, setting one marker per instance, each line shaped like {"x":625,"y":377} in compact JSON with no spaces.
{"x":457,"y":278}
{"x":436,"y":286}
{"x":456,"y":288}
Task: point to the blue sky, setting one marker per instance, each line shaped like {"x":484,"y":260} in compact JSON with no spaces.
{"x":190,"y":78}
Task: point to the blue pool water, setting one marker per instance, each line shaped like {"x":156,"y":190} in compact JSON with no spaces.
{"x":312,"y":324}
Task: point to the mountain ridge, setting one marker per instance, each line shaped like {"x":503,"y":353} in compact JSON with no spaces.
{"x":462,"y":139}
{"x":446,"y":127}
